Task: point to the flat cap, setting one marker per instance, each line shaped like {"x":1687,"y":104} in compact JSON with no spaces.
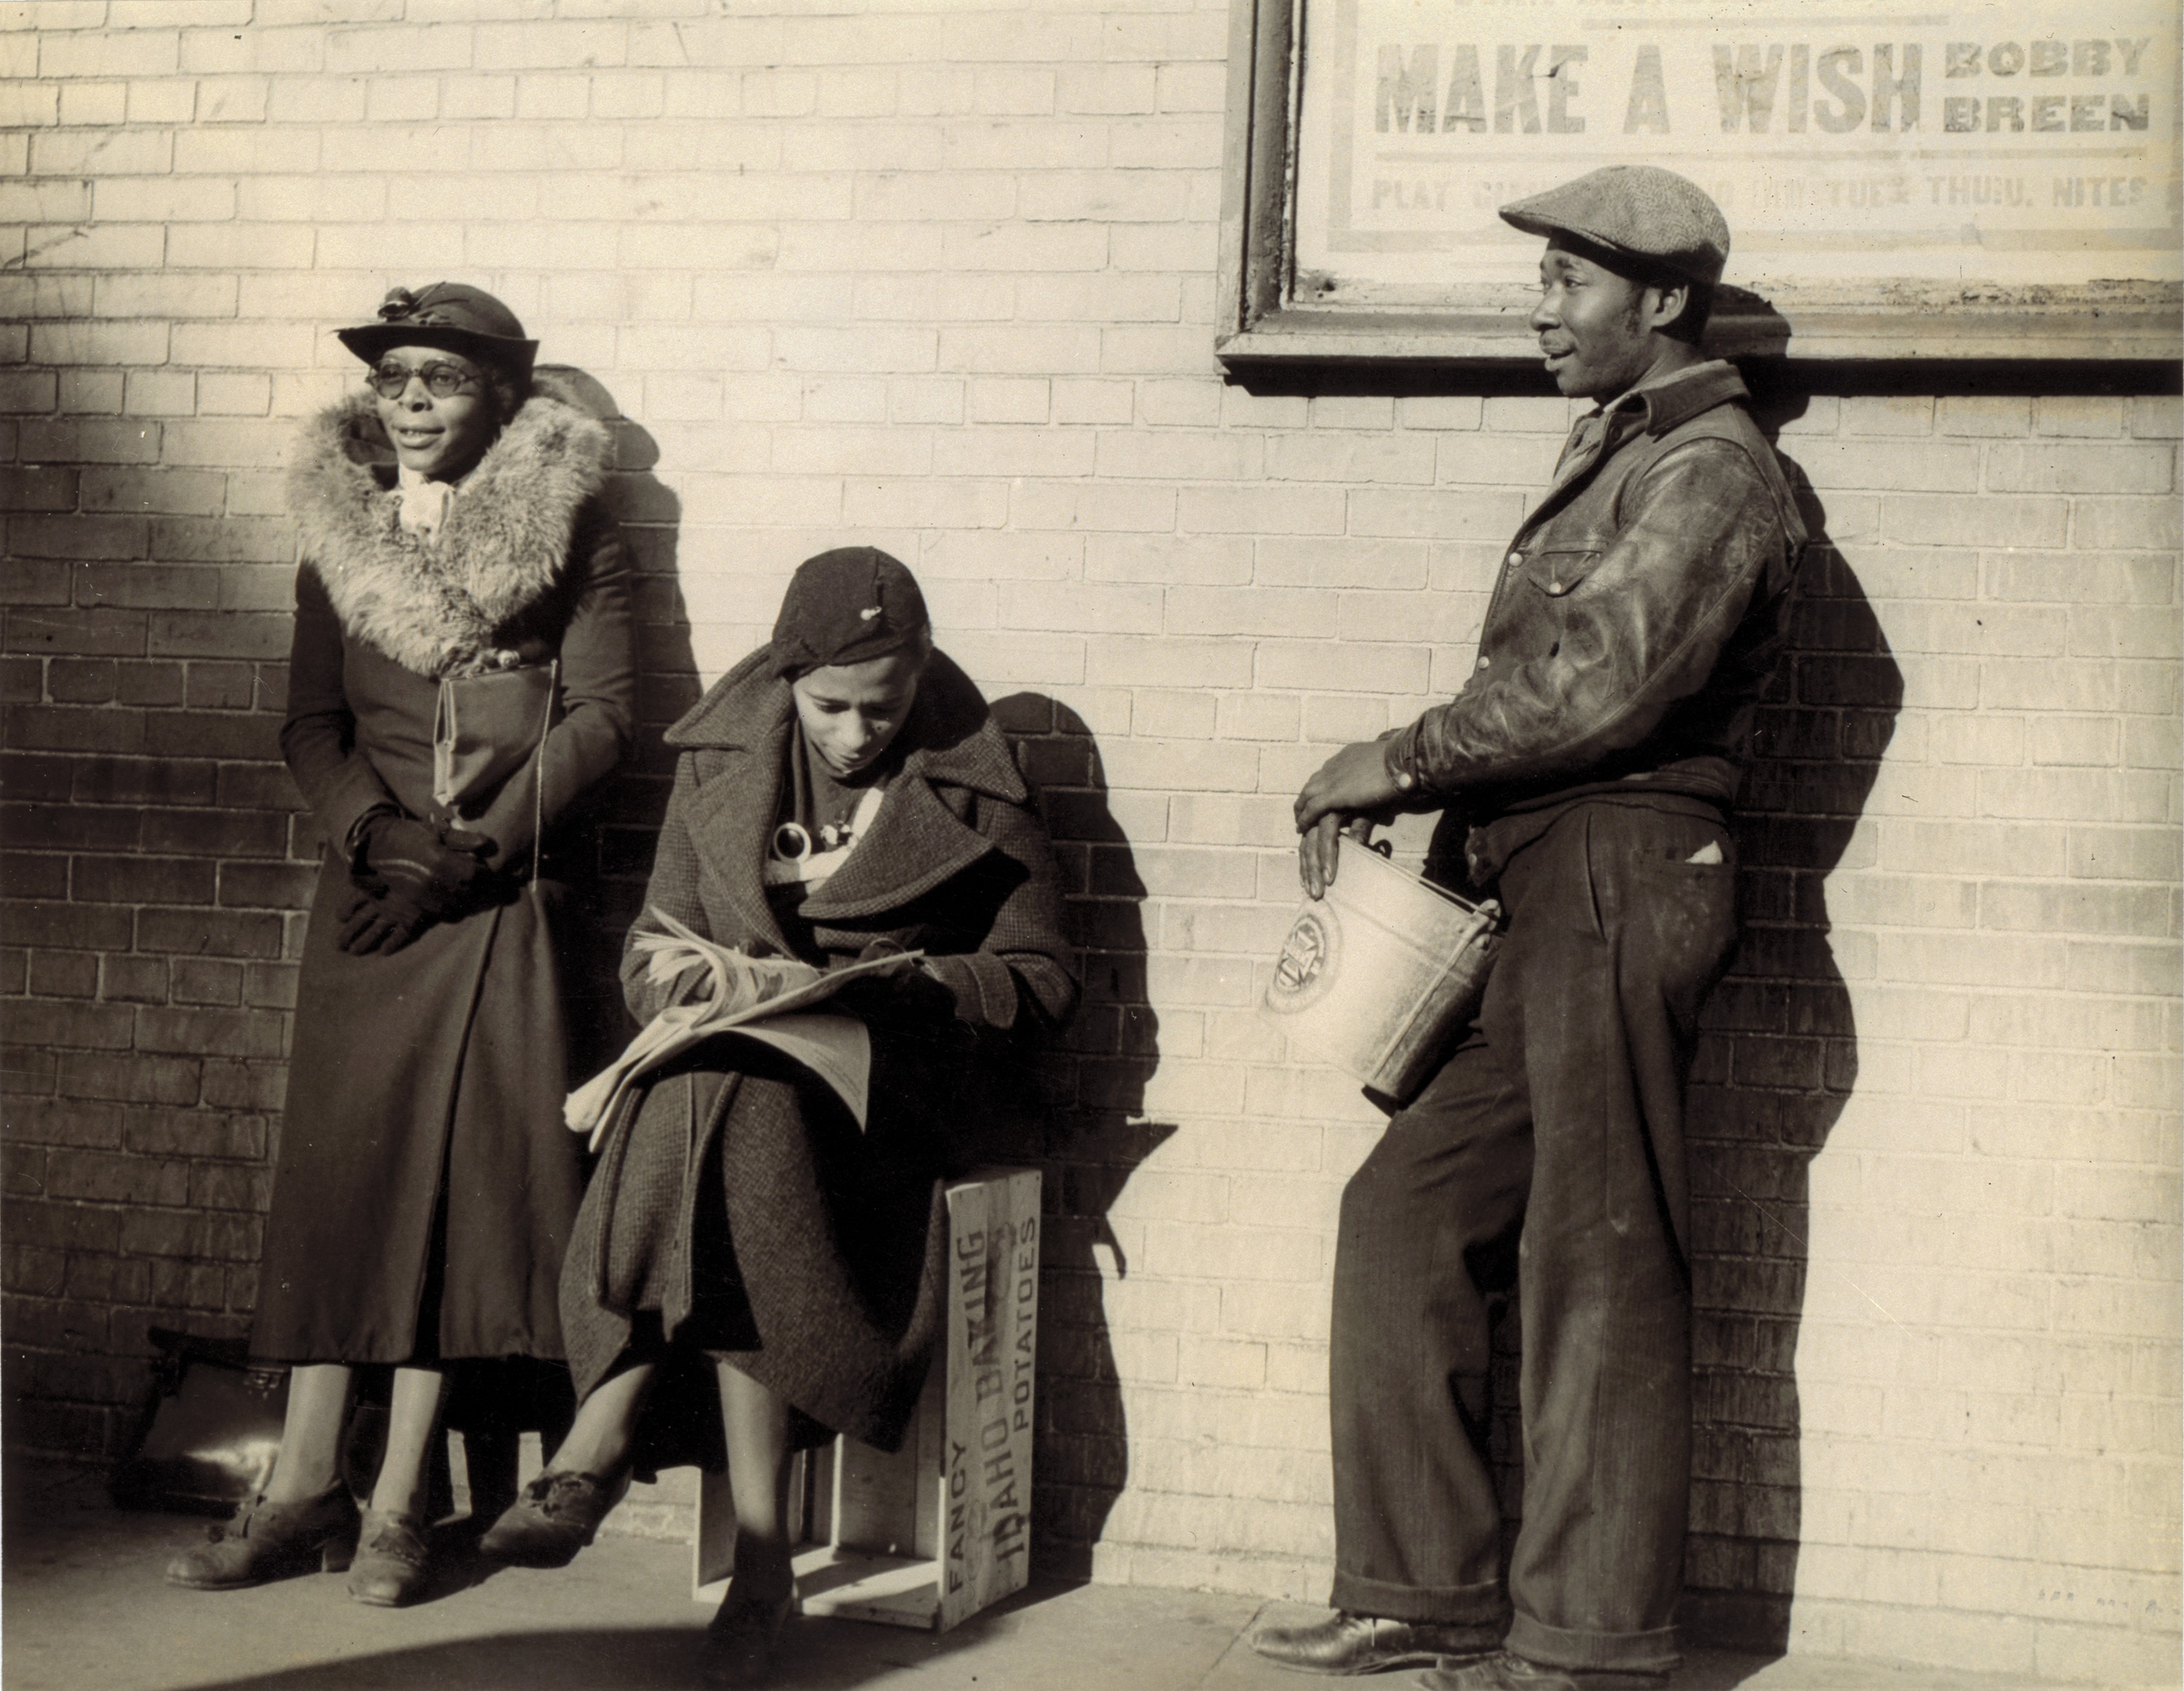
{"x":1660,"y":220}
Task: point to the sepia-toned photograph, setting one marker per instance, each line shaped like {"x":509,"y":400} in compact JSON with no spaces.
{"x":1091,"y":845}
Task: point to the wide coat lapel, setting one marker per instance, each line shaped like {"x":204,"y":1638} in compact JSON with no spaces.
{"x":742,"y":724}
{"x":916,"y":844}
{"x":917,"y":841}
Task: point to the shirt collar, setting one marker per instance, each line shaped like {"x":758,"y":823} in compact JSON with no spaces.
{"x":1680,"y":396}
{"x":406,"y":478}
{"x":425,"y":501}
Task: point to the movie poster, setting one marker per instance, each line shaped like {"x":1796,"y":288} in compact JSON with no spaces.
{"x":1853,"y":147}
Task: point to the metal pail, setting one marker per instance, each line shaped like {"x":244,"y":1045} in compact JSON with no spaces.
{"x":1375,"y":975}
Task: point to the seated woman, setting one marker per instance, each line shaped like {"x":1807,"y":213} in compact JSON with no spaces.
{"x":841,"y":793}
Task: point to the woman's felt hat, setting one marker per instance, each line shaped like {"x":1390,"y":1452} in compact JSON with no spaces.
{"x":451,"y":316}
{"x":844,"y":607}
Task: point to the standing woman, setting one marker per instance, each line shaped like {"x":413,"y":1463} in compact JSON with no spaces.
{"x":841,"y":793}
{"x":461,"y":673}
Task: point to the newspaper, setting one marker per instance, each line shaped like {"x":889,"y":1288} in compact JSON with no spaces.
{"x":766,"y":999}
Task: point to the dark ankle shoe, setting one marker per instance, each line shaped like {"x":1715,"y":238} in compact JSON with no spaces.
{"x":1507,"y":1670}
{"x":743,"y":1643}
{"x":267,"y":1540}
{"x":555,"y":1517}
{"x":392,"y":1567}
{"x":1347,"y":1644}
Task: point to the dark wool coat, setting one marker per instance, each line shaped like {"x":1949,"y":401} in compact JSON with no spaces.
{"x":736,"y":1198}
{"x":425,"y":1184}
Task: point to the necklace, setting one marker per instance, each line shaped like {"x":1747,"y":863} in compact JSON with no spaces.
{"x":834,"y":815}
{"x":825,"y":814}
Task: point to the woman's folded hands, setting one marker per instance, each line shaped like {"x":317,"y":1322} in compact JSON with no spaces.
{"x":411,"y":875}
{"x":908,"y":995}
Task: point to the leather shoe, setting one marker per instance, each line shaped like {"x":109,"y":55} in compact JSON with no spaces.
{"x":270,"y":1540}
{"x":392,"y":1567}
{"x":1507,"y":1670}
{"x":554,"y":1516}
{"x":1347,"y":1644}
{"x":744,"y":1640}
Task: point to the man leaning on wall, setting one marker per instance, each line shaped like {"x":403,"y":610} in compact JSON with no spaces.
{"x":1584,"y":776}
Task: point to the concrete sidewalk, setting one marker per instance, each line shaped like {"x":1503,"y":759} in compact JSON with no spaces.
{"x":86,"y":1610}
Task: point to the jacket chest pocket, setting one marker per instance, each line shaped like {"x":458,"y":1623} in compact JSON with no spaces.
{"x":1556,"y":571}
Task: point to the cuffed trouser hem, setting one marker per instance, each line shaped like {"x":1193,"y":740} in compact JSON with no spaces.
{"x":1476,"y":1606}
{"x":1652,"y":1652}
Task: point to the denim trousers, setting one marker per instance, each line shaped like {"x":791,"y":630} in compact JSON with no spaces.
{"x":1548,"y":1149}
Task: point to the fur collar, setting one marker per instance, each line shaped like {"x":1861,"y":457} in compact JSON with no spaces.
{"x":438,"y":609}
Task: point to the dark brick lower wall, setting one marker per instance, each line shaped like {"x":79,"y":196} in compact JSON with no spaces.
{"x":155,"y":862}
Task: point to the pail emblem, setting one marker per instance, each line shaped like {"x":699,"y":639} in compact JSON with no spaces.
{"x":1306,"y":968}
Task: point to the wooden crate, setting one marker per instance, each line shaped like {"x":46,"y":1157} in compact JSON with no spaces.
{"x":942,"y":1528}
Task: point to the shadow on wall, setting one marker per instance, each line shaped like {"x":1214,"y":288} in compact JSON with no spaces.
{"x":1775,"y":1069}
{"x":625,"y":813}
{"x":1096,"y":1136}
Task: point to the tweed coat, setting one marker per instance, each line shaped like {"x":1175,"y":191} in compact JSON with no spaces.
{"x":736,"y":1199}
{"x":425,"y":1186}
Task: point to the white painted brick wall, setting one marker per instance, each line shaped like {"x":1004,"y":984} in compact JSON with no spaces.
{"x":943,"y":281}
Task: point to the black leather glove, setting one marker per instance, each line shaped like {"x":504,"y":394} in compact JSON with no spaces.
{"x":439,"y":871}
{"x":910,"y":995}
{"x":413,"y":875}
{"x":371,"y":924}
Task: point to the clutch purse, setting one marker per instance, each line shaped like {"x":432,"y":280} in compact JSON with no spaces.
{"x":486,"y":726}
{"x":209,"y":1430}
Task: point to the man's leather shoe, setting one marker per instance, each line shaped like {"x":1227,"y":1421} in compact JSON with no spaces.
{"x":1345,"y":1643}
{"x":1507,"y":1670}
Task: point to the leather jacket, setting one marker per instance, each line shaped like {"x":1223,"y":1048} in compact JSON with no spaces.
{"x":1636,"y":617}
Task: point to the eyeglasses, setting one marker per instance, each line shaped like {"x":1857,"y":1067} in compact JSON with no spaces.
{"x":390,"y":379}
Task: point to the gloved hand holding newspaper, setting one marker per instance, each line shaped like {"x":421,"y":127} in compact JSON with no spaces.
{"x":757,"y":997}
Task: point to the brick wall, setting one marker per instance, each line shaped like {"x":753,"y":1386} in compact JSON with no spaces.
{"x":944,"y":281}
